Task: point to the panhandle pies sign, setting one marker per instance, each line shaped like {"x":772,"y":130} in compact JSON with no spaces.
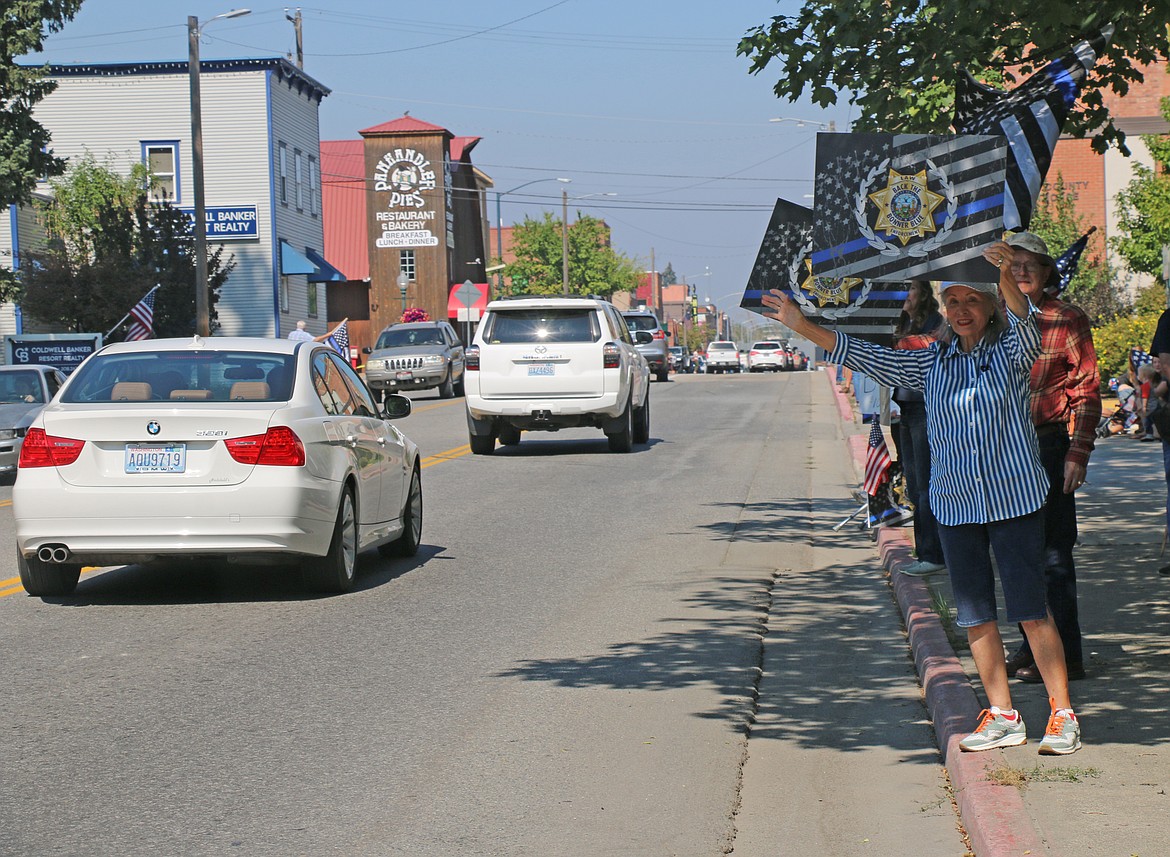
{"x":907,"y":206}
{"x":862,"y":308}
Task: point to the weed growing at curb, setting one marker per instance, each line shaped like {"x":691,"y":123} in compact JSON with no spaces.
{"x":946,"y":617}
{"x":1007,"y":775}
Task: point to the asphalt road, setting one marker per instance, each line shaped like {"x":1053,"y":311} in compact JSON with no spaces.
{"x":570,"y":666}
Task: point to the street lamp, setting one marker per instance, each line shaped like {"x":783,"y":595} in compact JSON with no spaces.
{"x":403,"y":282}
{"x":565,"y":234}
{"x":500,"y":226}
{"x":194,"y":33}
{"x":829,"y":126}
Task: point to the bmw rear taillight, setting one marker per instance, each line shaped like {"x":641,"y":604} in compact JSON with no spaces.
{"x":471,"y":358}
{"x":659,"y":334}
{"x":278,"y":447}
{"x":44,"y":450}
{"x":611,"y":356}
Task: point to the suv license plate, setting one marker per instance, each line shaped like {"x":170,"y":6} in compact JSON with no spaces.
{"x":404,"y":376}
{"x":164,"y":458}
{"x":542,"y":369}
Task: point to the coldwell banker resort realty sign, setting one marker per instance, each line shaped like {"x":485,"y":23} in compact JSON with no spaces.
{"x":406,"y":175}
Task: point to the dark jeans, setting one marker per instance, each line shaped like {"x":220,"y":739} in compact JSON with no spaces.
{"x":1060,"y":534}
{"x":1166,"y":468}
{"x":915,"y":458}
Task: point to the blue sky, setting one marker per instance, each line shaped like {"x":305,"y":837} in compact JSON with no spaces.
{"x":645,"y":99}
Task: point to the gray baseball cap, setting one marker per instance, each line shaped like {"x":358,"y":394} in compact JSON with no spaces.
{"x":987,"y":288}
{"x":1033,"y":243}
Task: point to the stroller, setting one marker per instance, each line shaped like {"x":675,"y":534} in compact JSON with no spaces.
{"x":1124,"y":417}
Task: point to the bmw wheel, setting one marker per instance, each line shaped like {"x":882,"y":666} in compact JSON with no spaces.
{"x":47,"y":579}
{"x":335,"y":571}
{"x":412,"y":516}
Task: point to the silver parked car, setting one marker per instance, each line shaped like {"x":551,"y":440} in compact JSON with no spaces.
{"x":654,"y":350}
{"x":241,"y":449}
{"x":421,"y":355}
{"x":24,"y":390}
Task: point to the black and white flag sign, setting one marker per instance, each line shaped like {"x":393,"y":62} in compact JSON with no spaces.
{"x":907,"y":206}
{"x":850,"y":305}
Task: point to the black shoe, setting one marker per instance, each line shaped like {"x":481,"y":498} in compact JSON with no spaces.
{"x":1022,"y":658}
{"x":1031,"y":674}
{"x":1164,"y":569}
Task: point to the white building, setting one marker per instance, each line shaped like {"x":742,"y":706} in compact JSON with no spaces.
{"x":262,"y":177}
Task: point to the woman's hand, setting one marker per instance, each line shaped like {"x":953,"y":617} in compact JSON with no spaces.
{"x":786,"y":310}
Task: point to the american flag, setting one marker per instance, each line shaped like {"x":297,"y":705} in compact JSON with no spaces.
{"x":1138,"y":357}
{"x":1066,"y":265}
{"x":339,"y":340}
{"x":142,"y":318}
{"x":877,"y":460}
{"x":1030,"y":116}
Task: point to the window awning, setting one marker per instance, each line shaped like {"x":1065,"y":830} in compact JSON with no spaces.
{"x":292,"y":261}
{"x":325,"y":272}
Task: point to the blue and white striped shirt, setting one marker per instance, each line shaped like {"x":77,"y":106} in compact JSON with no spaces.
{"x":984,"y":459}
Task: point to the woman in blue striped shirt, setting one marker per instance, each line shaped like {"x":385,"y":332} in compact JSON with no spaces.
{"x":987,"y":486}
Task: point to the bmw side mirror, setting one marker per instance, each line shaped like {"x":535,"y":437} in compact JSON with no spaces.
{"x":396,"y":407}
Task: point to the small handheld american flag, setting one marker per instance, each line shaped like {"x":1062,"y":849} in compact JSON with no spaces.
{"x":142,"y":318}
{"x":877,"y":460}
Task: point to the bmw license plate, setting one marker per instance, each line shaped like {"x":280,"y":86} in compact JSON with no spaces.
{"x":156,"y":458}
{"x":542,"y":369}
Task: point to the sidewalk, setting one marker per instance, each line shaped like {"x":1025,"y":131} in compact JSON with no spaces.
{"x":1111,"y":797}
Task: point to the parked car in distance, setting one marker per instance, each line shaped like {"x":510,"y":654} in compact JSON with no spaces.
{"x":655,"y":350}
{"x":722,"y":356}
{"x":247,"y":450}
{"x":799,"y":360}
{"x":24,"y":390}
{"x":680,"y":359}
{"x":548,"y":363}
{"x":421,"y":355}
{"x":768,"y":356}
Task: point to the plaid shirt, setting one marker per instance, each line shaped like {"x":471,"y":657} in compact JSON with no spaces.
{"x":1065,"y":385}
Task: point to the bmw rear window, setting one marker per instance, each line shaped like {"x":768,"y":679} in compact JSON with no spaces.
{"x":567,"y":324}
{"x":192,"y":376}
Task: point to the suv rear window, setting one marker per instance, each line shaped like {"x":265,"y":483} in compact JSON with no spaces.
{"x":196,"y":376}
{"x":770,"y":346}
{"x":569,"y":324}
{"x":637,"y":321}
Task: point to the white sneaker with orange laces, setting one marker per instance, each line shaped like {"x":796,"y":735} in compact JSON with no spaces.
{"x":995,"y":730}
{"x":1063,"y":735}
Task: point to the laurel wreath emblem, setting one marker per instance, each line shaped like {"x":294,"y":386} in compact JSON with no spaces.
{"x":918,"y":251}
{"x":807,"y":305}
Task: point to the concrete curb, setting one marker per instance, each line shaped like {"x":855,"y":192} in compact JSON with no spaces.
{"x":994,"y":816}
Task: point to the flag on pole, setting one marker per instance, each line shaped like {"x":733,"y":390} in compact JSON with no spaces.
{"x":1066,"y":265}
{"x":1031,"y":117}
{"x":142,"y":318}
{"x":877,"y":460}
{"x":1138,"y":357}
{"x":339,"y":340}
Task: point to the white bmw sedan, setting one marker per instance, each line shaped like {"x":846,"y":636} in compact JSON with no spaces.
{"x":254,"y":450}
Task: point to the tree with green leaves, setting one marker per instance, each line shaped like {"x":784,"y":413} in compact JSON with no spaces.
{"x":595,"y":268}
{"x":25,"y":156}
{"x":668,"y":276}
{"x":108,"y":245}
{"x":897,"y":61}
{"x":1144,"y":209}
{"x":1094,"y":288}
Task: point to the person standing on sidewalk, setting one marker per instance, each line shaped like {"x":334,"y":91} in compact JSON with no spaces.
{"x":1066,"y":409}
{"x":1160,"y":349}
{"x":987,"y":485}
{"x":917,"y":328}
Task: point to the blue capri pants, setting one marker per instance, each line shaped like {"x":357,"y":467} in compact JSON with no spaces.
{"x":1018,"y":544}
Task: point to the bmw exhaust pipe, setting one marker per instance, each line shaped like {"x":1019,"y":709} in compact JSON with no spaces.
{"x":53,"y":553}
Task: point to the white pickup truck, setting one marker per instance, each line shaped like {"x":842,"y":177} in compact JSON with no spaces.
{"x":722,"y":356}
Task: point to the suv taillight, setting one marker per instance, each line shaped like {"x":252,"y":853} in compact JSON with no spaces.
{"x":611,"y":356}
{"x":471,"y":358}
{"x":44,"y":450}
{"x":659,"y":333}
{"x":278,"y":447}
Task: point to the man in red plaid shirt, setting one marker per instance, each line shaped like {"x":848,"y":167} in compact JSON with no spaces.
{"x":1066,"y":408}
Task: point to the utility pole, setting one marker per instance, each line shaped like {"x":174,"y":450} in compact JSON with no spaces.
{"x":296,"y":22}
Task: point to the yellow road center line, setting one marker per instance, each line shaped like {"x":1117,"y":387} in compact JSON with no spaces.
{"x":11,"y":591}
{"x":445,"y":456}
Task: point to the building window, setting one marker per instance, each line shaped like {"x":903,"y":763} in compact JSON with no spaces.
{"x":282,"y":173}
{"x":313,"y":186}
{"x":284,"y":294}
{"x":312,"y":296}
{"x":298,"y":178}
{"x":406,"y":263}
{"x":161,"y":159}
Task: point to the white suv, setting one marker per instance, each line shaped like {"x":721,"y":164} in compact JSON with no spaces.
{"x":548,"y":363}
